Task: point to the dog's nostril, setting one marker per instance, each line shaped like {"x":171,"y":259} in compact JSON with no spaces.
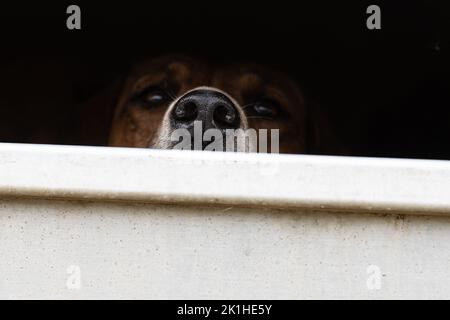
{"x":226,"y":117}
{"x":186,"y":111}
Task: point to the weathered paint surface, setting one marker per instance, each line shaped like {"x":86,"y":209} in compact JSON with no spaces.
{"x":171,"y":252}
{"x":192,"y":225}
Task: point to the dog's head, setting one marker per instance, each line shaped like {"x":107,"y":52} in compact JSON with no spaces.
{"x":166,"y":98}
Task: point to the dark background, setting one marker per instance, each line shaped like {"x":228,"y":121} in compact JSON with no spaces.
{"x":387,"y":92}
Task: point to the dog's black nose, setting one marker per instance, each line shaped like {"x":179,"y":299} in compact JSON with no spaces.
{"x":213,"y":108}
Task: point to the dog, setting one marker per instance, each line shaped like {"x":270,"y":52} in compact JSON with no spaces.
{"x":170,"y":93}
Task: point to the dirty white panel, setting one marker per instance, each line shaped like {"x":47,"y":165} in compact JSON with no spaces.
{"x":150,"y":251}
{"x":193,"y":225}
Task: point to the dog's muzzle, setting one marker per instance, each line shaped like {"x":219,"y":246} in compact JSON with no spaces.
{"x":197,"y":112}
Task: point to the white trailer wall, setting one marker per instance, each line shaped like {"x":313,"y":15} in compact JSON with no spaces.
{"x":84,"y":222}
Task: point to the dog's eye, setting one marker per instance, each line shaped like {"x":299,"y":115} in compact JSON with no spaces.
{"x":153,"y":97}
{"x":265,"y":108}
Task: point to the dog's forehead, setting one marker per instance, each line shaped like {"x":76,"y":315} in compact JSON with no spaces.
{"x":167,"y":64}
{"x":186,"y":64}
